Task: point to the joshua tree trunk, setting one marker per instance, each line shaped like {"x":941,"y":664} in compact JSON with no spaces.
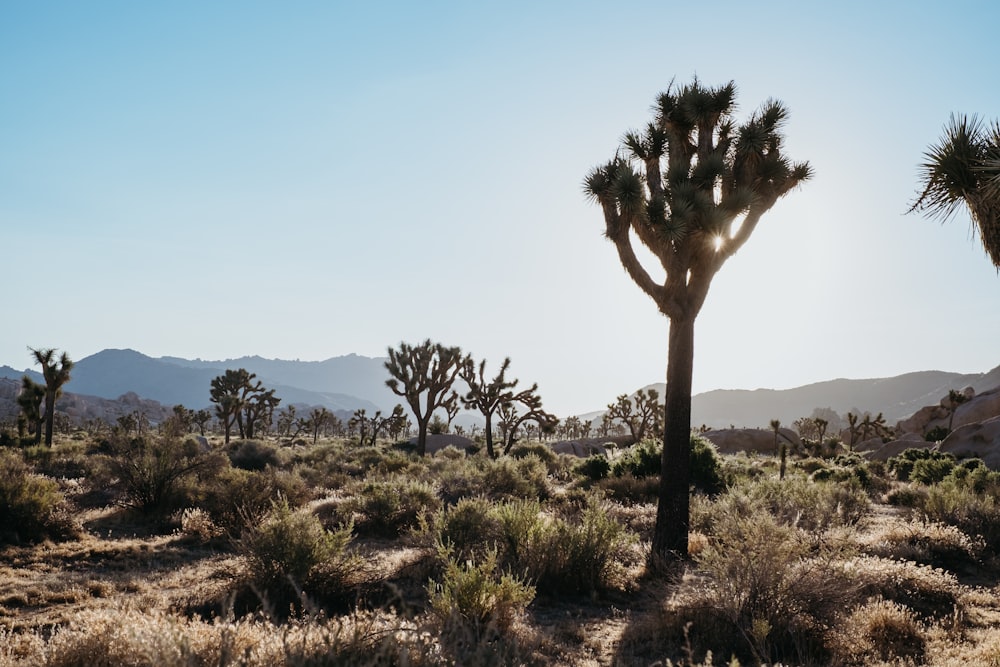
{"x":670,"y":536}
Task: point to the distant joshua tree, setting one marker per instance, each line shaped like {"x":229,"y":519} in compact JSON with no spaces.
{"x":639,"y":413}
{"x":423,"y":375}
{"x":30,"y":401}
{"x":964,"y":168}
{"x":56,"y":374}
{"x":486,"y":396}
{"x":692,"y":187}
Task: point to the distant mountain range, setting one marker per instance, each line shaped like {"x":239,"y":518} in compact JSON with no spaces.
{"x":347,"y":383}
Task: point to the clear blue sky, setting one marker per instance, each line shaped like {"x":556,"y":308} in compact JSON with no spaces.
{"x":309,"y":179}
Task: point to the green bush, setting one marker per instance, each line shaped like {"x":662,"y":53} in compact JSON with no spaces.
{"x":640,"y":460}
{"x":932,"y":470}
{"x":936,"y":434}
{"x":253,"y":455}
{"x":795,"y":502}
{"x":644,"y":460}
{"x":957,"y":504}
{"x":478,"y":598}
{"x":902,"y":465}
{"x":593,"y":467}
{"x":239,"y":498}
{"x":468,"y":529}
{"x":705,"y":465}
{"x":291,"y":551}
{"x":391,"y":507}
{"x":31,"y":507}
{"x":515,"y":478}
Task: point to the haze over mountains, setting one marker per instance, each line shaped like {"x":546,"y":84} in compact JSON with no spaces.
{"x":347,"y":383}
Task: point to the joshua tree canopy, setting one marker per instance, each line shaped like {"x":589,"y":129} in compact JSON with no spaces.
{"x":692,"y":187}
{"x":964,"y":168}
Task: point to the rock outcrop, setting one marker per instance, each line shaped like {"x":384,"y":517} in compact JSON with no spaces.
{"x":980,"y":440}
{"x":974,"y":408}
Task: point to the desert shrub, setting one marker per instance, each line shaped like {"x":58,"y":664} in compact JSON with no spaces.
{"x":644,"y":460}
{"x":593,"y":467}
{"x":129,"y":637}
{"x":291,"y":551}
{"x":906,"y":496}
{"x":559,"y":555}
{"x":197,"y":524}
{"x":902,"y":464}
{"x":811,"y":464}
{"x":478,"y":597}
{"x":880,"y":629}
{"x":925,"y":543}
{"x":936,"y":434}
{"x":253,"y":455}
{"x":929,"y":592}
{"x":62,"y":460}
{"x":237,"y":498}
{"x":31,"y":507}
{"x":468,"y":529}
{"x":156,"y":474}
{"x":640,"y":460}
{"x":583,"y":556}
{"x":795,"y":502}
{"x":515,"y":478}
{"x":541,"y":450}
{"x":771,"y":587}
{"x":705,"y":465}
{"x":391,"y":507}
{"x":629,"y":489}
{"x":974,"y":475}
{"x":959,"y":505}
{"x":932,"y":470}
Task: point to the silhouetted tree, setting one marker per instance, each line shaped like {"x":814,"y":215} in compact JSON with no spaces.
{"x":30,"y":401}
{"x":230,"y":392}
{"x":56,"y":374}
{"x":531,"y":411}
{"x":638,"y":413}
{"x":692,"y":187}
{"x":776,"y":427}
{"x":201,"y":418}
{"x":318,"y":420}
{"x":423,"y":375}
{"x":381,"y":423}
{"x":486,"y":396}
{"x":964,"y":168}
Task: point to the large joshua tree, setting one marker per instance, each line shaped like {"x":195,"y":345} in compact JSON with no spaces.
{"x":56,"y":374}
{"x":692,"y":187}
{"x":964,"y":168}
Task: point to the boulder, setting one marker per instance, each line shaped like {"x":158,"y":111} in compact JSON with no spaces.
{"x":981,"y":408}
{"x":438,"y":441}
{"x":582,"y":448}
{"x":897,"y":447}
{"x":976,"y":408}
{"x":980,"y":440}
{"x":751,"y":440}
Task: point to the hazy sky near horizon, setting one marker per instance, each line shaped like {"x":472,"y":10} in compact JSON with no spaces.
{"x":310,"y":179}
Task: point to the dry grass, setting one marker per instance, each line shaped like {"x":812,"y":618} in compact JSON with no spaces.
{"x":820,"y":588}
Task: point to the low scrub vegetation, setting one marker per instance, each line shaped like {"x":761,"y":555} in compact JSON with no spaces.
{"x":259,"y":553}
